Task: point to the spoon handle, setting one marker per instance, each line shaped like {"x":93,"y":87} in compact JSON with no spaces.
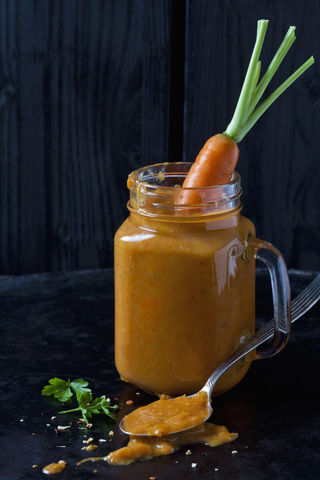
{"x":300,"y":305}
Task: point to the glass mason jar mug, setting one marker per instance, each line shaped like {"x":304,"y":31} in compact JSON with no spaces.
{"x":185,"y":283}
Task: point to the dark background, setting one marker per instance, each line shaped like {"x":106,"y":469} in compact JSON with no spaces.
{"x":92,"y":89}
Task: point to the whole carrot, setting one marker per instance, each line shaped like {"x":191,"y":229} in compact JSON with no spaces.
{"x":217,"y":160}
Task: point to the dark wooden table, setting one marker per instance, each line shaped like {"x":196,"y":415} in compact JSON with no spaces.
{"x":62,"y":325}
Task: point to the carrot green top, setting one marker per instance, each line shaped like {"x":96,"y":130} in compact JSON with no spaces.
{"x":248,"y":111}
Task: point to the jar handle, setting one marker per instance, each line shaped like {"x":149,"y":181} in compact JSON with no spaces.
{"x":280,"y":285}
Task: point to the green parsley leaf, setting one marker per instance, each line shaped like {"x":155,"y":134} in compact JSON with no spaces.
{"x":102,"y":405}
{"x":79,"y":386}
{"x":60,"y":389}
{"x":99,"y":406}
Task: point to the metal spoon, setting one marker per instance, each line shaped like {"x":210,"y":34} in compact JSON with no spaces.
{"x":299,"y":306}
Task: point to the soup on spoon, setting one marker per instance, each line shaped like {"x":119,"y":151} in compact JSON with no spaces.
{"x":164,"y":417}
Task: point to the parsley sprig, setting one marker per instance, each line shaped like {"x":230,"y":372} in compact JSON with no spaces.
{"x":64,"y":390}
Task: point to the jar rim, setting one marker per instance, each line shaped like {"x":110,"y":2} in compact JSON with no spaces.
{"x":140,"y":176}
{"x":157,"y":190}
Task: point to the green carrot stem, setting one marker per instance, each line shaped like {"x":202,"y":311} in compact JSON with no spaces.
{"x":247,"y":113}
{"x":257,"y":75}
{"x":254,"y":117}
{"x":246,"y":91}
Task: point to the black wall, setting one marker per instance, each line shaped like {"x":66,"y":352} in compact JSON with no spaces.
{"x":92,"y":89}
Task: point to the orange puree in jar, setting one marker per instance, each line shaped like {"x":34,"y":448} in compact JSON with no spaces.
{"x":184,"y":285}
